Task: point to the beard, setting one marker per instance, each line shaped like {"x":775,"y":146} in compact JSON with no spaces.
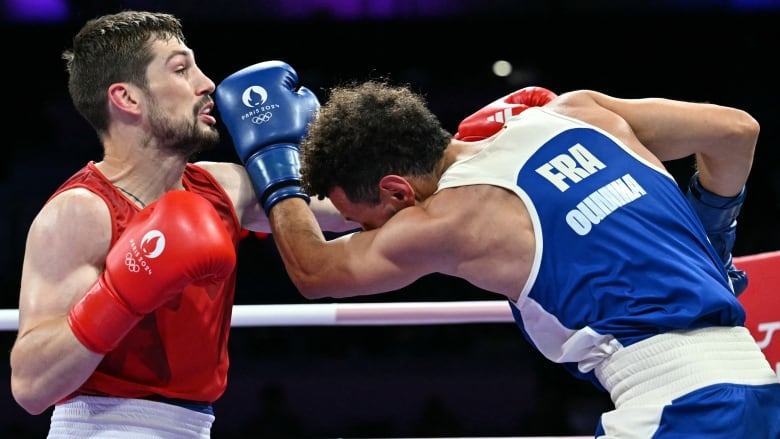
{"x":182,"y":137}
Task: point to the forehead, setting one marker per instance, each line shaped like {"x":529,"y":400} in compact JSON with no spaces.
{"x":367,"y":215}
{"x":361,"y":213}
{"x":341,"y":202}
{"x":166,"y":49}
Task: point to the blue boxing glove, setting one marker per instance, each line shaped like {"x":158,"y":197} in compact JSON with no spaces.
{"x":266,"y":118}
{"x":719,"y":217}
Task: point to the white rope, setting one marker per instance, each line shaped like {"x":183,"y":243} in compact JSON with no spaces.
{"x":355,"y":314}
{"x":9,"y":319}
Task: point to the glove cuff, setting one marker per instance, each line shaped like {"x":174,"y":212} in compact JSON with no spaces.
{"x":716,"y":213}
{"x":737,"y":278}
{"x":101,"y":319}
{"x":282,"y":193}
{"x":275,"y":174}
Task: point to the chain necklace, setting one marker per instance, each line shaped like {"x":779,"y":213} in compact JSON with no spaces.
{"x":137,"y":200}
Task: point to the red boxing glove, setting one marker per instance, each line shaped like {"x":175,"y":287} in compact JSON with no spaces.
{"x":174,"y":242}
{"x":487,"y":121}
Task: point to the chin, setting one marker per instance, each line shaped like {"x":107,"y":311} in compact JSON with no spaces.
{"x":210,"y":134}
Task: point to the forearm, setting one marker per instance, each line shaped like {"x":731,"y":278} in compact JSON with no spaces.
{"x":329,"y":219}
{"x":302,"y":247}
{"x":47,"y":364}
{"x":723,"y":139}
{"x":723,"y":177}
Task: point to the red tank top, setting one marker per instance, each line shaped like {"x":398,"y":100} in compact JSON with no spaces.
{"x":180,"y":350}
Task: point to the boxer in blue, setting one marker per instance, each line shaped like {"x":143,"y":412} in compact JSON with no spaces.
{"x":567,"y":210}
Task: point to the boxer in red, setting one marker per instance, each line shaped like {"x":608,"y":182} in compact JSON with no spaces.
{"x":129,"y":273}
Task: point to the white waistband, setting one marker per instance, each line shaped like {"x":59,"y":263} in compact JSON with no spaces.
{"x":106,"y":417}
{"x":667,"y":366}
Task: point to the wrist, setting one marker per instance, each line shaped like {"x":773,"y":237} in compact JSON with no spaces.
{"x":282,"y":193}
{"x":275,"y":174}
{"x":715,"y":212}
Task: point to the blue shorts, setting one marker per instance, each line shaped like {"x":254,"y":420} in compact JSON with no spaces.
{"x":720,"y":411}
{"x":712,"y":383}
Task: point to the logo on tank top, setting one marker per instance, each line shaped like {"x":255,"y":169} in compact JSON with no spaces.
{"x":573,"y":167}
{"x":565,"y":170}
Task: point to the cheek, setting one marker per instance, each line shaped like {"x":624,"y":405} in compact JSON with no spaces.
{"x":377,"y":216}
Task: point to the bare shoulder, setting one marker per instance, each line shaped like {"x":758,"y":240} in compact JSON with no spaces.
{"x":236,"y":183}
{"x":235,"y":180}
{"x":70,"y":217}
{"x":598,"y":109}
{"x":231,"y":176}
{"x":485,"y":226}
{"x":448,"y":223}
{"x":577,"y":104}
{"x":66,"y":249}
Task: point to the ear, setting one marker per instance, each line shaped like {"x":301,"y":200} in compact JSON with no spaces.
{"x":396,"y":190}
{"x":123,"y":97}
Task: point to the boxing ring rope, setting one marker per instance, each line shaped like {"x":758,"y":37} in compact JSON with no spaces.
{"x":356,"y":314}
{"x":761,"y":268}
{"x":378,"y":314}
{"x":350,"y":314}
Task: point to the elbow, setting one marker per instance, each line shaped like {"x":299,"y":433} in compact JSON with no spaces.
{"x":310,"y":286}
{"x":747,"y":128}
{"x":33,"y":409}
{"x":27,"y":398}
{"x":745,"y":140}
{"x":28,"y":390}
{"x":309,"y":290}
{"x":755,"y":129}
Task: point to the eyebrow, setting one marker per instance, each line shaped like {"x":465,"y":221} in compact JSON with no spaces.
{"x":175,"y":53}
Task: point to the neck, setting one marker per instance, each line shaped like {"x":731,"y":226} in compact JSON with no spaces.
{"x":425,"y":186}
{"x":129,"y":194}
{"x":145,"y":181}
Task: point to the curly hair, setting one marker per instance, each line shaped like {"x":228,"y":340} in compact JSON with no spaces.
{"x":366,"y":131}
{"x":113,"y":48}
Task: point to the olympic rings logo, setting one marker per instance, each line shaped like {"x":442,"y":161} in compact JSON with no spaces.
{"x":131,"y":264}
{"x":262,"y":118}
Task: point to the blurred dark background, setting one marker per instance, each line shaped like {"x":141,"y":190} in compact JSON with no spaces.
{"x":402,"y":381}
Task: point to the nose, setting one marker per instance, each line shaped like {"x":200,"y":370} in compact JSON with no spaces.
{"x":206,"y":85}
{"x":210,"y":86}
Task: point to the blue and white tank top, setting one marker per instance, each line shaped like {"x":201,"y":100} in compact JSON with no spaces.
{"x":620,"y":255}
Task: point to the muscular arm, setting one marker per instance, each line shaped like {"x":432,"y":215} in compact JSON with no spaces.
{"x":723,"y":139}
{"x":235,"y":180}
{"x":362,"y":263}
{"x":66,"y":244}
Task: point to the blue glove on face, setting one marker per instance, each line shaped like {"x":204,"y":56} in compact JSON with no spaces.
{"x":266,"y":118}
{"x":719,"y":217}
